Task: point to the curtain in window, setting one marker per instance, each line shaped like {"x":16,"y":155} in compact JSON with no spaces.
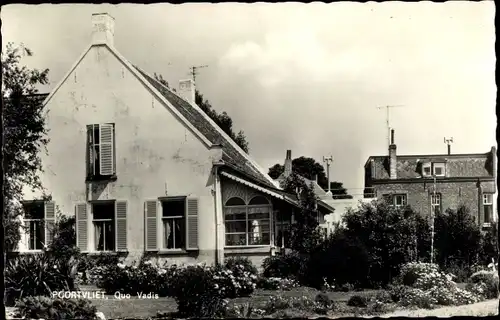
{"x":167,"y":238}
{"x":99,"y":239}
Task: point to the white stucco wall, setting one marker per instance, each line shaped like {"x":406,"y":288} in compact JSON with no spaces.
{"x":154,"y":151}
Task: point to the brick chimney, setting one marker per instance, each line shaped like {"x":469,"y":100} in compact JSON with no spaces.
{"x":288,"y":164}
{"x":392,"y":158}
{"x":103,"y":30}
{"x":187,"y":90}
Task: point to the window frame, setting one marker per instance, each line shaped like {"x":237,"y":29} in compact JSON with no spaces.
{"x":487,"y":202}
{"x":163,"y":218}
{"x":427,"y":165}
{"x":94,"y":156}
{"x":434,"y":204}
{"x":247,"y":208}
{"x":283,"y":226}
{"x":26,"y":222}
{"x":104,"y":221}
{"x":404,"y":196}
{"x":439,"y":165}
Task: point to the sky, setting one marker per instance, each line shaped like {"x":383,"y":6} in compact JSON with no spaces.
{"x":304,"y":77}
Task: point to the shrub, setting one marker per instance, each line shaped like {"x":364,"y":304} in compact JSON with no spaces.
{"x":324,"y":302}
{"x":279,"y":303}
{"x":383,"y":296}
{"x":276,"y":283}
{"x":234,"y":264}
{"x":346,"y":287}
{"x":242,"y":274}
{"x":92,"y":266}
{"x":198,"y":293}
{"x":457,"y":238}
{"x":292,"y":265}
{"x":418,"y":298}
{"x":33,"y":275}
{"x":411,"y":272}
{"x":357,"y":301}
{"x":243,"y":311}
{"x":392,"y":236}
{"x":49,"y":308}
{"x":430,"y":286}
{"x":397,"y":292}
{"x":490,"y":280}
{"x":341,"y":259}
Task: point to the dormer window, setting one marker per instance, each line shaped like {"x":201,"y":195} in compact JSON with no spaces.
{"x":426,"y":169}
{"x":438,"y":169}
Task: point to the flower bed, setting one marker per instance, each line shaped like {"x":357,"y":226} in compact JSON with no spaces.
{"x":423,"y":285}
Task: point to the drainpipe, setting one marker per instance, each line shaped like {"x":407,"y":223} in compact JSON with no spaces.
{"x":218,"y":234}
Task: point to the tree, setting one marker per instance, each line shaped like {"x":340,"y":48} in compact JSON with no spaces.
{"x":305,"y":234}
{"x":24,"y":135}
{"x":457,"y":238}
{"x":223,"y":120}
{"x":394,"y":237}
{"x":310,"y":169}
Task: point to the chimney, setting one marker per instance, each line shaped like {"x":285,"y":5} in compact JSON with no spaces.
{"x":449,"y":149}
{"x":103,"y":28}
{"x":288,"y":164}
{"x":216,"y":153}
{"x":392,"y":157}
{"x":187,"y":90}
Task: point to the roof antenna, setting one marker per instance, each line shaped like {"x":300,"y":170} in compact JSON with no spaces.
{"x":448,"y":142}
{"x":194,"y":71}
{"x":387,"y":121}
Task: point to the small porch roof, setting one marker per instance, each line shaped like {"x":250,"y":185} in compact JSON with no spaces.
{"x":278,"y":194}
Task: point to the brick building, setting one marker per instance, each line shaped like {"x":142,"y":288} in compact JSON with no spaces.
{"x":436,"y":182}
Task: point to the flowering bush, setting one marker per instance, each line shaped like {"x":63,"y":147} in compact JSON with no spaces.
{"x":490,"y":281}
{"x":243,"y":311}
{"x":275,"y":283}
{"x":240,"y":277}
{"x":430,"y":286}
{"x":200,"y":291}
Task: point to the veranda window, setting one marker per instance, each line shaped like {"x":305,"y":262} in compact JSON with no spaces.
{"x":248,"y":224}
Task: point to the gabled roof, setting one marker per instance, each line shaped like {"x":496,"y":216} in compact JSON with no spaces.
{"x":191,"y":115}
{"x":211,"y":131}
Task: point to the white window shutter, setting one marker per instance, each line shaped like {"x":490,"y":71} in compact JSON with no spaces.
{"x":107,"y":157}
{"x":90,"y":150}
{"x":151,"y":225}
{"x":50,"y":221}
{"x":121,"y":225}
{"x":81,"y":226}
{"x":192,"y":223}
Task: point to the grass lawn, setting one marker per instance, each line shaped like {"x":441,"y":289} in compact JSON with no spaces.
{"x":135,"y":307}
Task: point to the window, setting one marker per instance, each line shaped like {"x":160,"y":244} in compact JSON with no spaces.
{"x":173,"y":218}
{"x":436,"y":204}
{"x":34,"y":213}
{"x":426,"y":169}
{"x":282,"y":232}
{"x":104,"y":225}
{"x":248,"y":224}
{"x":488,"y":207}
{"x":399,"y":200}
{"x":438,"y":169}
{"x":101,"y":150}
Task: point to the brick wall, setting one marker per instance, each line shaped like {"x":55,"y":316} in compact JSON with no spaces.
{"x":453,"y":194}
